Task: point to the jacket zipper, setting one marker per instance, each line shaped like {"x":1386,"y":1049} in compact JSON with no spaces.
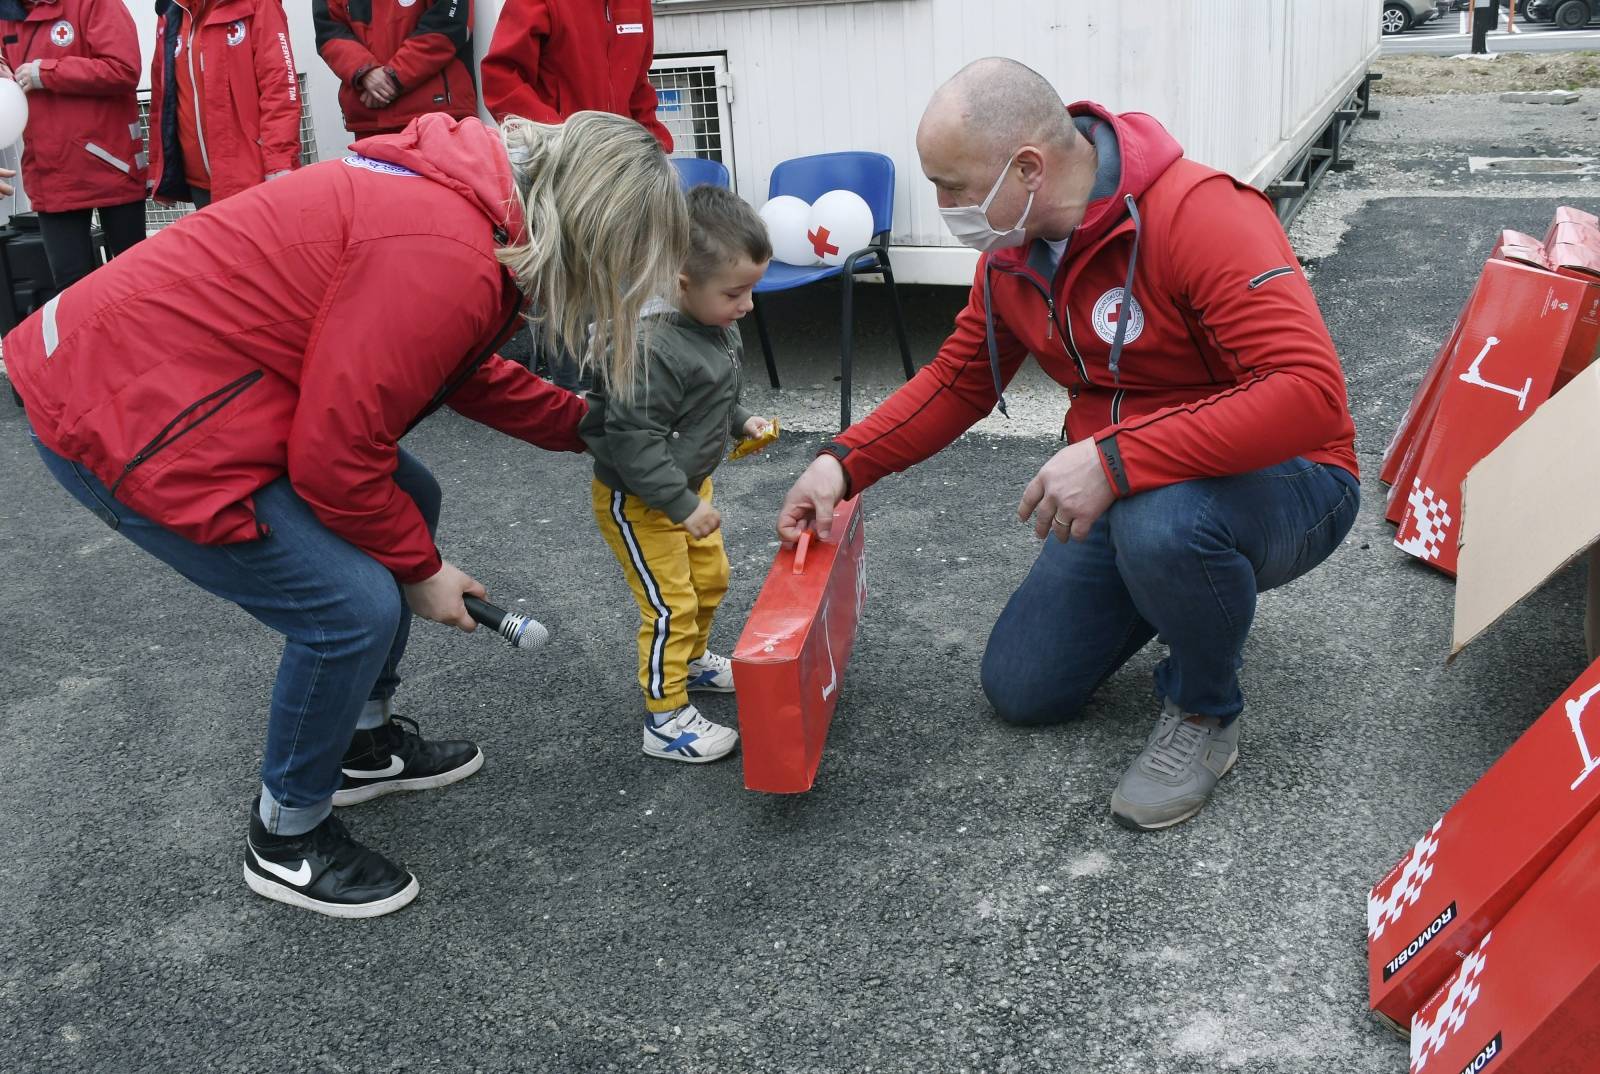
{"x":1053,"y":323}
{"x":194,"y":88}
{"x":166,"y":437}
{"x":727,"y":422}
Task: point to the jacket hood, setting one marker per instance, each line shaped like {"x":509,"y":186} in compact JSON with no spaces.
{"x":1134,"y":150}
{"x":462,"y":154}
{"x":1146,"y":151}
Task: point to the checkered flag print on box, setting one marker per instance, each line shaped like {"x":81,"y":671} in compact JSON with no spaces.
{"x":1385,"y":909}
{"x":1429,"y":1038}
{"x":1430,"y":517}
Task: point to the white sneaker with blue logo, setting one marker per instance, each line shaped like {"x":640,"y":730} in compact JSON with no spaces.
{"x":685,"y":735}
{"x":712,"y":673}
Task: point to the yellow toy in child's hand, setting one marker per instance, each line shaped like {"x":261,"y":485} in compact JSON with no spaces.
{"x":753,"y":444}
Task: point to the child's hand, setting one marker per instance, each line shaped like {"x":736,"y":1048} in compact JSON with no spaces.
{"x":758,"y":433}
{"x":704,"y":521}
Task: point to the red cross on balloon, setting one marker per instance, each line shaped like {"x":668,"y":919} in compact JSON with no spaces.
{"x":819,"y":242}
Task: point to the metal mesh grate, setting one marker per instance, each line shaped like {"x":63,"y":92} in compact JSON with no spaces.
{"x":690,"y":107}
{"x":157,"y":217}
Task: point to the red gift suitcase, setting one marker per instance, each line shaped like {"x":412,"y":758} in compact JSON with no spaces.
{"x":790,"y":660}
{"x":1526,"y":1000}
{"x":1460,"y":878}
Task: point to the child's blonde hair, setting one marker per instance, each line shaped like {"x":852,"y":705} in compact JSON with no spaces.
{"x":606,"y":232}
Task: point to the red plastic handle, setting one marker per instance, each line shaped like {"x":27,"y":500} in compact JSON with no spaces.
{"x":800,"y":551}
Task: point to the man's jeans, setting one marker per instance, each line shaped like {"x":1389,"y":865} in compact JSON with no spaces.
{"x":341,"y":612}
{"x":1185,"y":562}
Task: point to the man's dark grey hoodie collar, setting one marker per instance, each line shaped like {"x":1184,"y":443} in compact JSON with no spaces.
{"x":1107,"y":178}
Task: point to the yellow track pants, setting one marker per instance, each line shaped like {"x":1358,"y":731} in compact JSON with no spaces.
{"x":678,"y":581}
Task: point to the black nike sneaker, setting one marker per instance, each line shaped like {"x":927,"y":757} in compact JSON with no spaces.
{"x":324,"y":870}
{"x":394,"y":757}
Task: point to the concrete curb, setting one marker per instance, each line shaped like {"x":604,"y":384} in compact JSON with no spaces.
{"x":1540,"y":97}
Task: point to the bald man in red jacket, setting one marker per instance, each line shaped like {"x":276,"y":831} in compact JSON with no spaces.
{"x":1212,"y":450}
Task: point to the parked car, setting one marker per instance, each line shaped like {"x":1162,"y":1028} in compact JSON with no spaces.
{"x":1447,"y":6}
{"x":1401,"y":15}
{"x":1566,"y":14}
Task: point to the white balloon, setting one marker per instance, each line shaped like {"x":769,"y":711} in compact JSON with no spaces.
{"x":13,"y":112}
{"x":787,"y":218}
{"x":840,"y":224}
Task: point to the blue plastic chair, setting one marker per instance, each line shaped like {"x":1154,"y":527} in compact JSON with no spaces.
{"x":872,"y":176}
{"x":696,"y":171}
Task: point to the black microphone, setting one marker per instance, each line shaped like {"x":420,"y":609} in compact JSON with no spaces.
{"x":522,"y":631}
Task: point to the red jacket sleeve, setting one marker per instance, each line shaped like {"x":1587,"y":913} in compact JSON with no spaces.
{"x":371,"y":367}
{"x":642,"y":103}
{"x":510,"y":69}
{"x":946,"y":397}
{"x":443,"y":29}
{"x":1290,"y":396}
{"x":114,"y":67}
{"x":280,"y":89}
{"x":337,"y":42}
{"x":506,"y":397}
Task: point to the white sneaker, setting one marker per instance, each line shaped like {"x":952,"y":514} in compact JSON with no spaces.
{"x":685,"y":735}
{"x":712,"y":673}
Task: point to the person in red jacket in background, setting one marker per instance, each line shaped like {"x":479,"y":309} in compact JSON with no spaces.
{"x":551,"y":58}
{"x":78,"y":61}
{"x":231,"y":394}
{"x":1212,"y":451}
{"x":224,"y":99}
{"x":397,"y":59}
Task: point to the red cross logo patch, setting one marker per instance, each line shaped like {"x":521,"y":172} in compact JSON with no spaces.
{"x":62,"y":33}
{"x":235,"y":32}
{"x":819,"y":242}
{"x":1109,"y":309}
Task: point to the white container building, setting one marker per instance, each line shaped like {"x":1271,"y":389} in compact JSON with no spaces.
{"x":1247,"y":86}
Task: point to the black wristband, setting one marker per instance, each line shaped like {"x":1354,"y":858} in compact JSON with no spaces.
{"x":839,"y":451}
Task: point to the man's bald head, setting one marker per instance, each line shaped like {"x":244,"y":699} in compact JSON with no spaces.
{"x":1000,"y":104}
{"x":996,"y":118}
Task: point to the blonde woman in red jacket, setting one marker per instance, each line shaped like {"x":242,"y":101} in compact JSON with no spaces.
{"x":224,"y":99}
{"x":230,"y":396}
{"x":397,"y":59}
{"x":78,"y":61}
{"x":551,"y":58}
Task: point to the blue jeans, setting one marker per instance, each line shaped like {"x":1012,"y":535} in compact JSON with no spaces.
{"x":1185,"y":562}
{"x":343,"y":617}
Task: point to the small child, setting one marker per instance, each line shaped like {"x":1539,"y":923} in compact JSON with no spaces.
{"x":653,"y":456}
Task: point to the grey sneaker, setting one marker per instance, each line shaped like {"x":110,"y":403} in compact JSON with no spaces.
{"x":1171,"y":780}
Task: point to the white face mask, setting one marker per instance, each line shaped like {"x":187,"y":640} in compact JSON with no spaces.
{"x":970,"y":223}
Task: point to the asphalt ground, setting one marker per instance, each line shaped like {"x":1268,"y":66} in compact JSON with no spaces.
{"x":952,"y":896}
